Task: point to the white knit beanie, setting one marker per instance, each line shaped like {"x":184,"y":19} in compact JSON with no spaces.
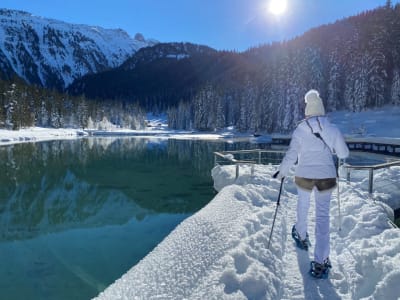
{"x":314,"y":105}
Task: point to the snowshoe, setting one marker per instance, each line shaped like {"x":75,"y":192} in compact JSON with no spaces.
{"x":320,"y":270}
{"x":302,"y":244}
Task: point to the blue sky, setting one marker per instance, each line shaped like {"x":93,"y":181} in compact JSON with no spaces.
{"x":221,"y":24}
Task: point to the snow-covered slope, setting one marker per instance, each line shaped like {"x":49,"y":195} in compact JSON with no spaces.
{"x":221,"y":252}
{"x":54,"y":53}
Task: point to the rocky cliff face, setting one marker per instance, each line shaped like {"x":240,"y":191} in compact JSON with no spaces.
{"x":52,"y":53}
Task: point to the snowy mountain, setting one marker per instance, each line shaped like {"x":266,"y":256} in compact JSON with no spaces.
{"x":53,"y":53}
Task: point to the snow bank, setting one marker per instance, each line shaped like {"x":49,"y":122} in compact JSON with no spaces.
{"x":221,"y":252}
{"x":37,"y":134}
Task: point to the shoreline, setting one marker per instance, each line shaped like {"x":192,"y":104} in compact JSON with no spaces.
{"x":39,"y":134}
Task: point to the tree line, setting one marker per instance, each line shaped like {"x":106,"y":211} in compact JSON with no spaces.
{"x":23,"y":105}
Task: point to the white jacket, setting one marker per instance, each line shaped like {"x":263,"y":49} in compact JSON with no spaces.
{"x":314,"y":157}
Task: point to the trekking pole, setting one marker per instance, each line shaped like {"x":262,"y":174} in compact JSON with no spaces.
{"x":338,"y":197}
{"x":276,"y":209}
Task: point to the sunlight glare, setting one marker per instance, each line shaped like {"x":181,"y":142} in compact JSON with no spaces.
{"x":277,"y":7}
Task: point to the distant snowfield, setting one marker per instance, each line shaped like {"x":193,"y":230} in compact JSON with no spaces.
{"x":221,"y":251}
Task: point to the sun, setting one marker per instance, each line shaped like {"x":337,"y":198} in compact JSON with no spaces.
{"x":277,"y":7}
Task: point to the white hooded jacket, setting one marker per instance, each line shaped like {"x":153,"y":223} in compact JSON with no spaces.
{"x":313,"y":155}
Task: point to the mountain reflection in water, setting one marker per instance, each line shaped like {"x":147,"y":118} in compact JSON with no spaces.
{"x":76,"y":215}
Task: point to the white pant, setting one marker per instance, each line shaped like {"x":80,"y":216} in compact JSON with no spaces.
{"x":322,"y":204}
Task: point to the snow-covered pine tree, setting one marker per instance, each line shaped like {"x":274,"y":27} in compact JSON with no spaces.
{"x":231,"y":107}
{"x":334,"y":88}
{"x":220,"y":121}
{"x":351,"y":55}
{"x":297,"y":87}
{"x":316,"y":70}
{"x":379,"y":44}
{"x":10,"y":107}
{"x":182,"y":116}
{"x":82,"y":114}
{"x":395,"y":90}
{"x":249,"y":118}
{"x":242,"y":124}
{"x":360,"y":96}
{"x":285,"y":116}
{"x":349,"y":92}
{"x":266,"y":104}
{"x":203,"y":108}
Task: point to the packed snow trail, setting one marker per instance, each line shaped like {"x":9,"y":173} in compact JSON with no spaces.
{"x":221,"y":251}
{"x":298,"y":284}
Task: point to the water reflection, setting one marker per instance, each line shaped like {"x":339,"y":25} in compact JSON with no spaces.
{"x":76,"y":215}
{"x":47,"y":187}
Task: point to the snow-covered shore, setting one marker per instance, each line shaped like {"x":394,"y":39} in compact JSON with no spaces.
{"x":37,"y":134}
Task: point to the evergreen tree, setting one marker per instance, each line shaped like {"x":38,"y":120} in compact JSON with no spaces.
{"x":334,"y":89}
{"x":378,"y":60}
{"x":395,"y":91}
{"x":10,"y":108}
{"x":220,"y":111}
{"x":82,"y":114}
{"x":361,"y":84}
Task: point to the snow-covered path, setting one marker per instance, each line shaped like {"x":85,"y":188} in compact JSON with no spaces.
{"x":221,"y":251}
{"x":298,"y":284}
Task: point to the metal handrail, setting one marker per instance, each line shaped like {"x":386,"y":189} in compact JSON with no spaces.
{"x":236,"y":162}
{"x":229,"y":157}
{"x":370,"y":169}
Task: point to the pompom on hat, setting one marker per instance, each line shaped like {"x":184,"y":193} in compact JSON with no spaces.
{"x":314,"y":105}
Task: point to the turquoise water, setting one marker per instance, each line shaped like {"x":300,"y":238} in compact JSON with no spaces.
{"x":76,"y":215}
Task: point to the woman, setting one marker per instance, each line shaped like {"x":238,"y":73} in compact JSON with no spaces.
{"x":312,"y":146}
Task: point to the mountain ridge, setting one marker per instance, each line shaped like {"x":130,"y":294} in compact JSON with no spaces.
{"x":53,"y":53}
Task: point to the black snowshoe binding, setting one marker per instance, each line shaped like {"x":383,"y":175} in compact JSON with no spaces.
{"x":320,"y":270}
{"x":302,"y":244}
